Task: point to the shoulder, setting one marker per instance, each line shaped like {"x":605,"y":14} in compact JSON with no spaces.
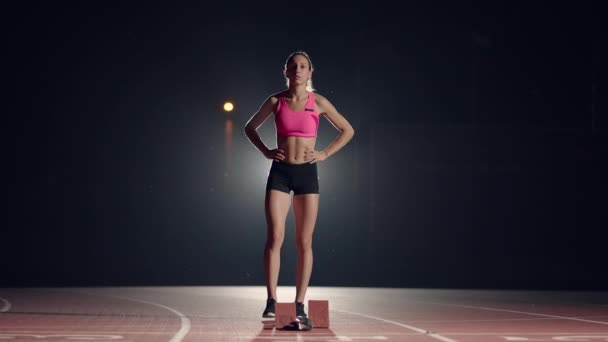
{"x":322,"y":103}
{"x":319,"y":97}
{"x":274,"y":98}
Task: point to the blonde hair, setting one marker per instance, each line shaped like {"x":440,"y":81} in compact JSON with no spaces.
{"x":309,"y":86}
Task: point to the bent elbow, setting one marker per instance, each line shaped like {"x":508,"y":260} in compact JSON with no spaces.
{"x":350,"y":132}
{"x":249,"y":130}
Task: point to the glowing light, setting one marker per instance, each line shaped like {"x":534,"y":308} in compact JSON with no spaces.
{"x":228,"y":106}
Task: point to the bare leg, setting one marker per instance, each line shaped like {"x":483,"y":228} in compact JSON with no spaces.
{"x":276,"y":207}
{"x":305,"y":209}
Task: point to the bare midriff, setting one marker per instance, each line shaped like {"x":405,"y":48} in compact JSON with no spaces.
{"x":295,"y":148}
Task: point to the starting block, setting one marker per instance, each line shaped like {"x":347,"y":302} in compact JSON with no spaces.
{"x":285,"y":315}
{"x":318,"y":311}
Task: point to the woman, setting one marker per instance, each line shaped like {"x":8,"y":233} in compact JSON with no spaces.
{"x":296,"y":115}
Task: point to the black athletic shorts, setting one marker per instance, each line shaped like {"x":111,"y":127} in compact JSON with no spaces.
{"x":299,"y":178}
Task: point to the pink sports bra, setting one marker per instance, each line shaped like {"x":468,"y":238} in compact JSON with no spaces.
{"x":290,"y":123}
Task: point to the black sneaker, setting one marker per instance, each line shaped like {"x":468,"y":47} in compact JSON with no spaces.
{"x":303,"y":325}
{"x":269,"y":311}
{"x":300,"y":314}
{"x":302,"y":320}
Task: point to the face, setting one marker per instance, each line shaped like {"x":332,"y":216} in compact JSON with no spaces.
{"x":298,"y":70}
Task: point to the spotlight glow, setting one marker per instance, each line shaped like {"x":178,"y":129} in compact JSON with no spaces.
{"x":228,"y":106}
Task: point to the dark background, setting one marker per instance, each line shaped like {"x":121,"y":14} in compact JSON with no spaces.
{"x":479,"y":159}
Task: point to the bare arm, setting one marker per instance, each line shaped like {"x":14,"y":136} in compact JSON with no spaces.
{"x":339,"y":122}
{"x":255,"y":122}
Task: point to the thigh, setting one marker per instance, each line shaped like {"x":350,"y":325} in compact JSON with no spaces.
{"x":305,"y":208}
{"x":277,"y":205}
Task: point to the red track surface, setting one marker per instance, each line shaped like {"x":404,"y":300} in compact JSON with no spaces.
{"x":356,"y":314}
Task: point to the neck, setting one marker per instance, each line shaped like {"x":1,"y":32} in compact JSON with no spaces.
{"x":298,"y":91}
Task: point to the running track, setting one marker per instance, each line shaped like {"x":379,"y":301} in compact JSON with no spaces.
{"x":188,"y":314}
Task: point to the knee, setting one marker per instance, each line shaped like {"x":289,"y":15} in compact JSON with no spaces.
{"x":274,"y":241}
{"x":304,"y":244}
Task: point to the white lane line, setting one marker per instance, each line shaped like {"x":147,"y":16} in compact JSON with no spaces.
{"x":6,"y":305}
{"x":311,"y":334}
{"x":526,"y":333}
{"x":418,"y":330}
{"x":501,"y":320}
{"x":186,"y":325}
{"x":54,"y":336}
{"x":523,"y":313}
{"x":146,"y":325}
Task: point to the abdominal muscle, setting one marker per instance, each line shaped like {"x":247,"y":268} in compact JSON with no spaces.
{"x":295,"y":148}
